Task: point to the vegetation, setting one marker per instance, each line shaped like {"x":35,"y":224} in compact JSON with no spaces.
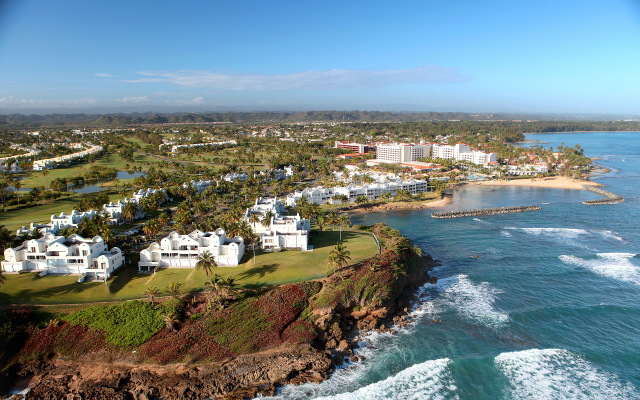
{"x":127,"y":324}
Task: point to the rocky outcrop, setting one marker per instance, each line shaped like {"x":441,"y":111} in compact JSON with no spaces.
{"x":240,"y":378}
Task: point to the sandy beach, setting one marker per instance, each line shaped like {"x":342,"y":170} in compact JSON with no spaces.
{"x":558,"y":182}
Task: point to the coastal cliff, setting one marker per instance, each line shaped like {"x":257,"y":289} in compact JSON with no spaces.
{"x":290,"y":334}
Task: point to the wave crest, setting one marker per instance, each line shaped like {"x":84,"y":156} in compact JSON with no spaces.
{"x":559,"y":374}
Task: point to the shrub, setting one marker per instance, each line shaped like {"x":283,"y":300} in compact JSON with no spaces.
{"x":128,"y":324}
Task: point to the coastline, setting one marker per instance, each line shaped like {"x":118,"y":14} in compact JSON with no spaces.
{"x":399,"y":205}
{"x":555,"y":182}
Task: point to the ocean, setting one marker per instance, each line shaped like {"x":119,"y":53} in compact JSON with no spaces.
{"x":534,"y":305}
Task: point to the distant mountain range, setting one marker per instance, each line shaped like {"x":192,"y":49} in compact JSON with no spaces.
{"x":122,"y":119}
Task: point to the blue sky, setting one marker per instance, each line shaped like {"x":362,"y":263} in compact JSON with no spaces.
{"x":492,"y":56}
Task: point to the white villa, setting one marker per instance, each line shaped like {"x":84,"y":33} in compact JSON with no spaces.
{"x":322,"y":195}
{"x":59,"y":255}
{"x":142,"y":193}
{"x":72,"y":220}
{"x":113,"y":211}
{"x":58,"y":222}
{"x":50,"y":163}
{"x":182,"y":251}
{"x":200,"y":186}
{"x":281,"y":232}
{"x":528,"y":169}
{"x":232,"y":177}
{"x":286,"y":233}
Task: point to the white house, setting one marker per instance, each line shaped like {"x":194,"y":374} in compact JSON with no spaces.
{"x":49,"y":163}
{"x":200,"y":186}
{"x":142,"y":193}
{"x":59,"y":255}
{"x":182,"y":251}
{"x":232,"y":177}
{"x":286,"y":233}
{"x":72,"y":220}
{"x":321,"y":195}
{"x":113,"y":211}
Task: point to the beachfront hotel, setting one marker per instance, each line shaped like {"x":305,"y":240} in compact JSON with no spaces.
{"x":53,"y":254}
{"x":182,"y":251}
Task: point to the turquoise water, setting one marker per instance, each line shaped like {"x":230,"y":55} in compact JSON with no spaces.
{"x":549,"y":308}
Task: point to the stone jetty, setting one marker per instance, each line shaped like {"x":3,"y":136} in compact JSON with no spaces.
{"x":483,"y":211}
{"x":611,"y":198}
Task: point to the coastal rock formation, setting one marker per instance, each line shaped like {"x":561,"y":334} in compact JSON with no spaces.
{"x":242,"y":377}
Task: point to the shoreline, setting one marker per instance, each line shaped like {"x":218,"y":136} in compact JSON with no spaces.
{"x":554,"y":182}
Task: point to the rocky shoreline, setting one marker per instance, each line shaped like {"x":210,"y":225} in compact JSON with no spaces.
{"x":96,"y":376}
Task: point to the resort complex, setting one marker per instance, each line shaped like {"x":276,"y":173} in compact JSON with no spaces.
{"x":183,"y":251}
{"x":53,"y":254}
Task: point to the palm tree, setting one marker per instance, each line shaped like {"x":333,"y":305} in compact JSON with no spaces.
{"x":129,"y":211}
{"x":151,"y":294}
{"x":17,"y":185}
{"x":206,"y":262}
{"x":339,"y":256}
{"x":254,"y":219}
{"x":174,"y":289}
{"x":342,"y":221}
{"x":170,"y":321}
{"x":227,"y":287}
{"x":266,"y":221}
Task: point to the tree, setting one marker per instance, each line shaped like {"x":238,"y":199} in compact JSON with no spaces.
{"x":339,"y":256}
{"x":343,"y":221}
{"x":170,"y":321}
{"x":151,"y":294}
{"x":174,"y":289}
{"x":130,"y":210}
{"x":254,"y":219}
{"x":17,"y":184}
{"x":206,"y":262}
{"x":361,"y":200}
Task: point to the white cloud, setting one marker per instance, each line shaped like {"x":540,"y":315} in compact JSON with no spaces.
{"x":105,"y":74}
{"x":308,"y":80}
{"x":132,"y":100}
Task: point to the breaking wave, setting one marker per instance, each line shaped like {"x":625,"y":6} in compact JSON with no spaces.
{"x":557,"y":374}
{"x":569,"y":236}
{"x":474,"y":300}
{"x":612,"y":265}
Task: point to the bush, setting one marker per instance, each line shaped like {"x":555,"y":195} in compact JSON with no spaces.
{"x":128,"y":324}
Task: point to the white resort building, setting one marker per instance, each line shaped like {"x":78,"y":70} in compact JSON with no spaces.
{"x":280,"y":232}
{"x":200,"y":186}
{"x":53,"y":254}
{"x":286,"y":233}
{"x":322,"y":195}
{"x":50,"y":163}
{"x":182,"y":251}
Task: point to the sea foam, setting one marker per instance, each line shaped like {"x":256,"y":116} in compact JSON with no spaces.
{"x":612,"y":265}
{"x":428,"y":380}
{"x":570,"y":236}
{"x":558,"y":374}
{"x":474,"y":300}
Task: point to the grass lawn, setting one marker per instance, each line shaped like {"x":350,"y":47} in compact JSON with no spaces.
{"x":269,"y":269}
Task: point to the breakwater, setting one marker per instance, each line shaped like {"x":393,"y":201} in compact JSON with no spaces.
{"x":611,"y":198}
{"x":483,"y":211}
